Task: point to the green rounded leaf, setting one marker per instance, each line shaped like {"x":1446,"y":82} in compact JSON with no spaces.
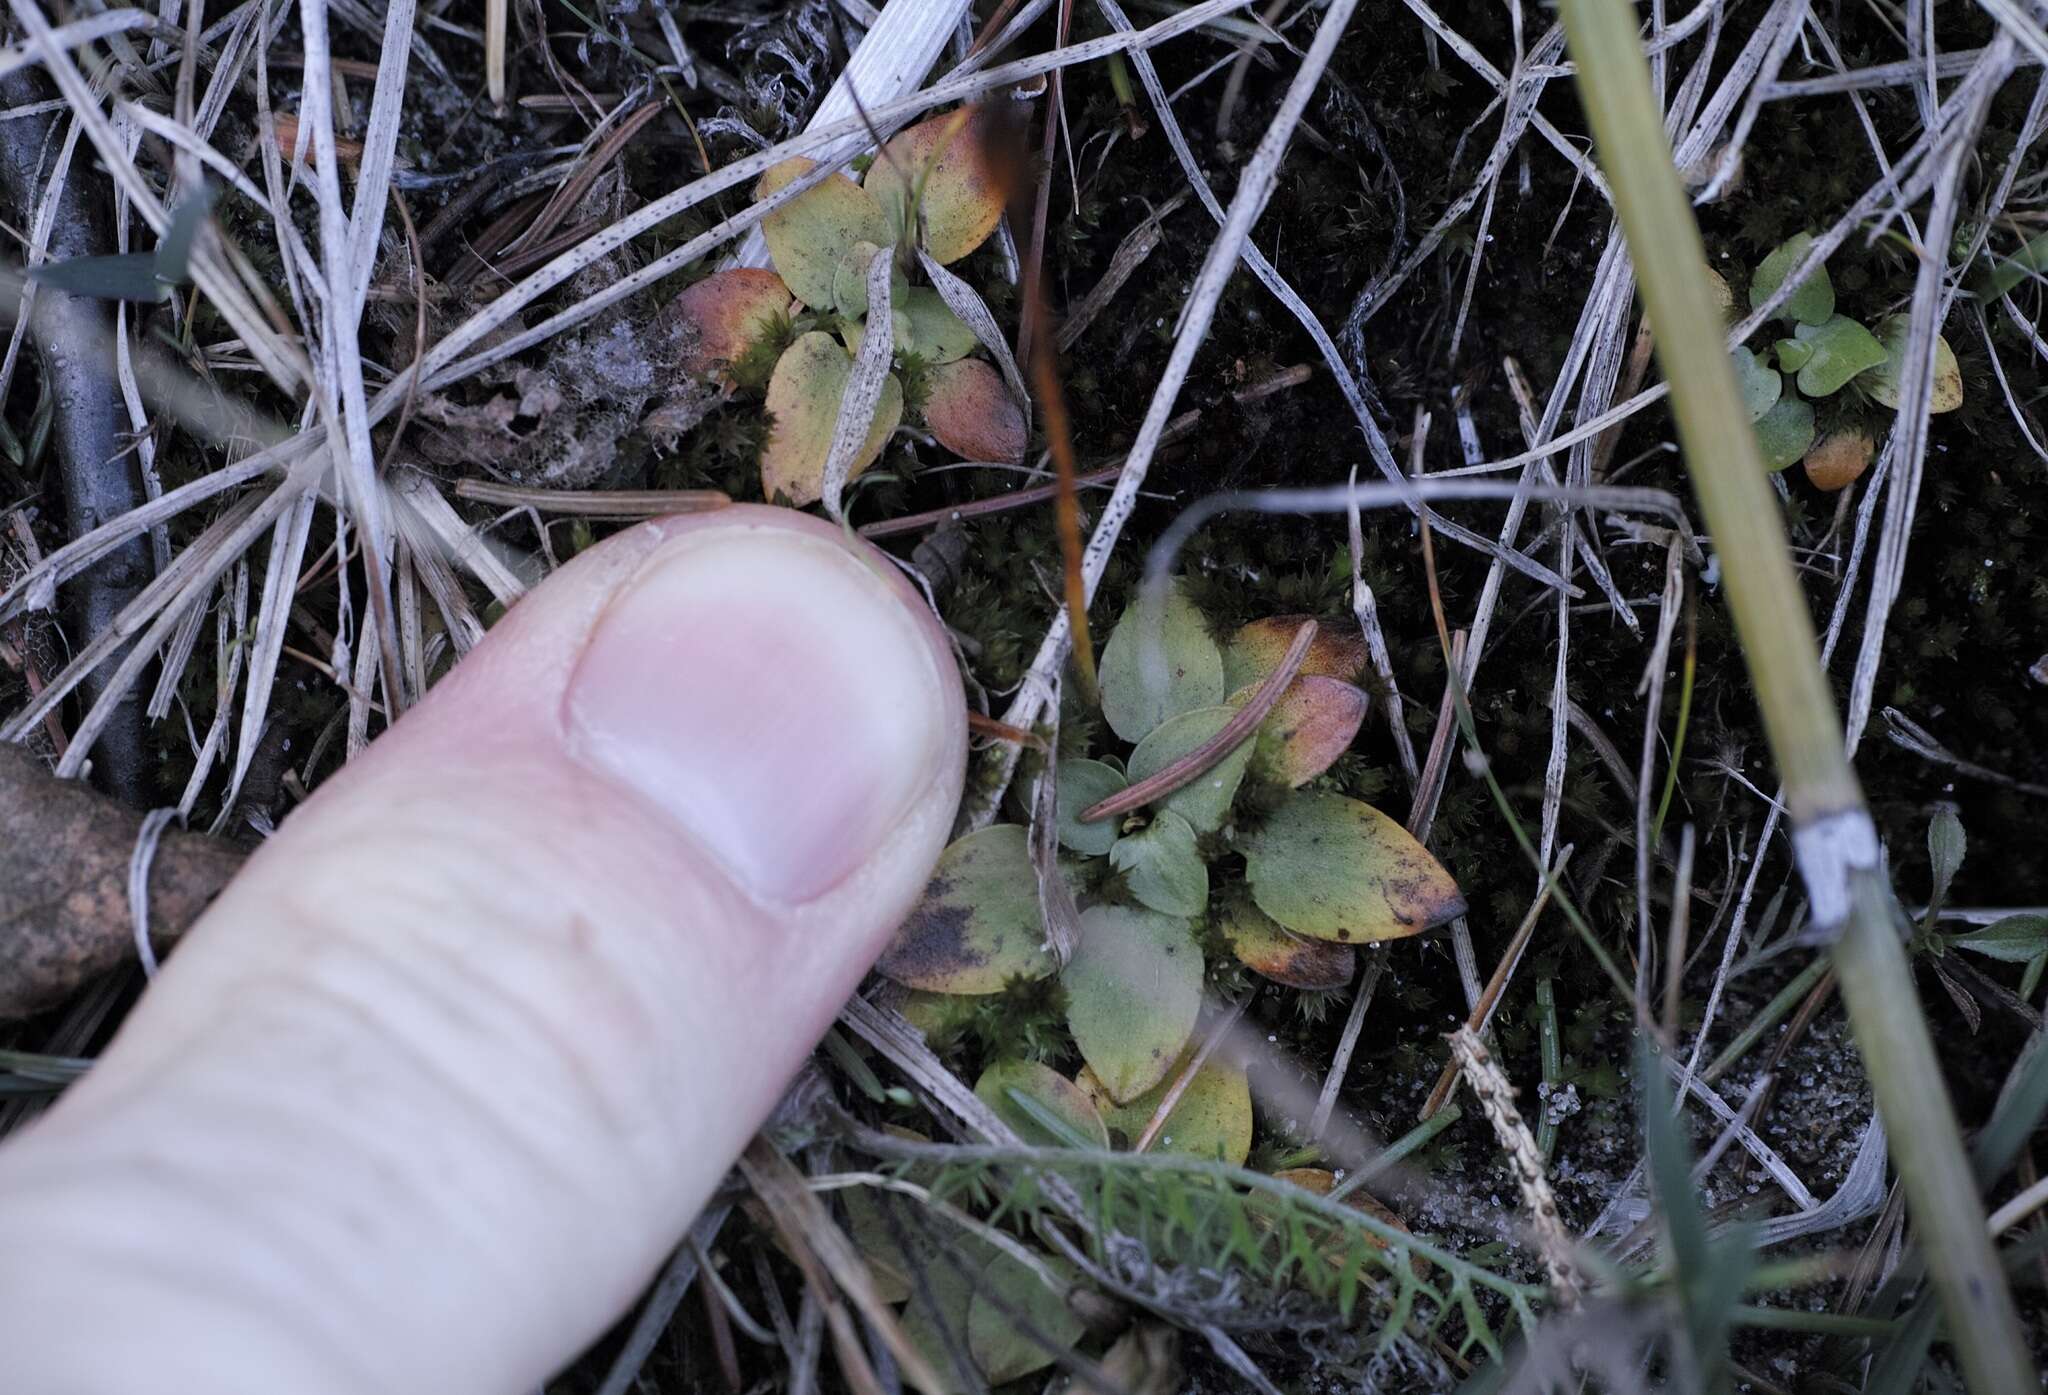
{"x":972,"y":413}
{"x":1135,"y":701}
{"x":803,"y":406}
{"x":1313,"y":723}
{"x":1134,"y":989}
{"x":1204,"y":801}
{"x":935,"y":1320}
{"x":809,"y":235}
{"x":937,"y":1015}
{"x":1163,"y":867}
{"x":1266,"y":948}
{"x":1257,"y":648}
{"x":726,"y":314}
{"x":936,"y":335}
{"x":1084,"y":783}
{"x":1784,"y":432}
{"x":1048,"y":1089}
{"x":1761,"y":386}
{"x":850,"y":281}
{"x":1332,"y":868}
{"x":1793,"y":355}
{"x":1213,"y":1120}
{"x":1882,"y":382}
{"x":1841,"y":348}
{"x":978,"y":924}
{"x":1812,"y":303}
{"x":1005,"y":1347}
{"x":948,"y":160}
{"x":892,"y":1255}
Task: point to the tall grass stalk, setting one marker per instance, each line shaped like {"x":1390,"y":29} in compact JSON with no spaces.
{"x":1832,"y":830}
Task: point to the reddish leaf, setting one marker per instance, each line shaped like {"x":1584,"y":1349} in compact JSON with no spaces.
{"x":726,"y":314}
{"x":972,"y":413}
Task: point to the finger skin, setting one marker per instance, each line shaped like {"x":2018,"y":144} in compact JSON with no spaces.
{"x":430,"y":1091}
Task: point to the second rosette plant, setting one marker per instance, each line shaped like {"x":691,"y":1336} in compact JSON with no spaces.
{"x":929,"y":198}
{"x":1320,"y":872}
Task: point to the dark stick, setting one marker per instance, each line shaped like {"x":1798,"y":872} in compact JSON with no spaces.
{"x":74,"y":338}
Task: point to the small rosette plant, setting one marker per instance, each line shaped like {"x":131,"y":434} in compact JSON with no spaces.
{"x":1143,"y":834}
{"x":929,"y":198}
{"x":1822,"y":353}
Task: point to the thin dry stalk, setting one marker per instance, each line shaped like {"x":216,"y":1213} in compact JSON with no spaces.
{"x":1497,"y":1101}
{"x":1489,"y":999}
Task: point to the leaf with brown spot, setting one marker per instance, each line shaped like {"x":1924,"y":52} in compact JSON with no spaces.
{"x":1314,"y":723}
{"x":1264,"y":946}
{"x":1134,"y":989}
{"x":1257,"y":648}
{"x":803,"y":402}
{"x":809,"y":235}
{"x":972,"y":413}
{"x":1212,"y":1121}
{"x":977,"y":925}
{"x":726,"y":314}
{"x":1332,"y":868}
{"x":949,"y":159}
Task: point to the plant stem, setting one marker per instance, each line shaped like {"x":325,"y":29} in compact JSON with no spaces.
{"x":1799,"y":715}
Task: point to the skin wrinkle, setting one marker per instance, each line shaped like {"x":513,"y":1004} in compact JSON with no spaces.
{"x":246,"y":1295}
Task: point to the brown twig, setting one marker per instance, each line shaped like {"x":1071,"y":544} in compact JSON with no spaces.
{"x":1199,"y":761}
{"x":594,"y":503}
{"x":65,"y":916}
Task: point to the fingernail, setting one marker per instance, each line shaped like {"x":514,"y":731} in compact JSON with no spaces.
{"x":771,"y":693}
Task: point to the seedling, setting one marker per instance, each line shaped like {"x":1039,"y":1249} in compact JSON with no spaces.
{"x":1821,"y":353}
{"x":136,"y":276}
{"x":933,"y":187}
{"x":1322,"y":873}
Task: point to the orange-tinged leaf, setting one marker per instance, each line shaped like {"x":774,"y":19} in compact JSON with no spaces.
{"x":807,"y":236}
{"x":1312,"y":724}
{"x":726,"y":314}
{"x":978,"y":924}
{"x":1319,"y":1182}
{"x":1266,"y":948}
{"x":1838,"y":460}
{"x":803,"y":400}
{"x":1212,"y":1121}
{"x":972,"y":413}
{"x":1332,"y":868}
{"x":1256,"y":649}
{"x":951,"y":159}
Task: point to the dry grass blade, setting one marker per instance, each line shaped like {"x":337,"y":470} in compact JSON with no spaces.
{"x":822,"y":1250}
{"x":1497,"y":1100}
{"x":1510,"y":959}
